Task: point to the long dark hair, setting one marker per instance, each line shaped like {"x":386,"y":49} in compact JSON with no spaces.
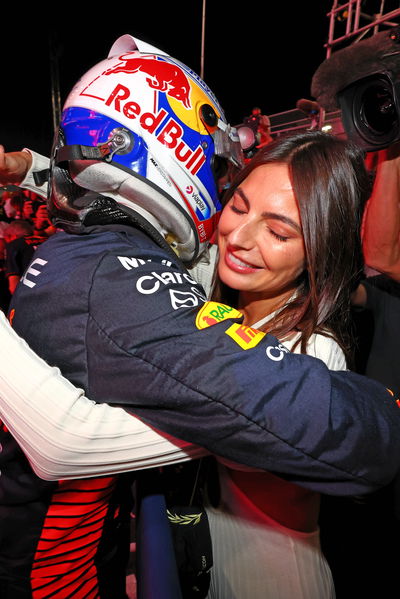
{"x":331,"y":186}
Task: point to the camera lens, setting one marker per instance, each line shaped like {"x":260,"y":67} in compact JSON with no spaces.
{"x":377,"y":109}
{"x":373,"y":118}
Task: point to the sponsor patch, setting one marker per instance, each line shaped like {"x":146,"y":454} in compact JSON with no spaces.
{"x":214,"y":312}
{"x":276,"y":353}
{"x":129,"y":262}
{"x":244,"y":336}
{"x":153,"y":281}
{"x":185,"y":299}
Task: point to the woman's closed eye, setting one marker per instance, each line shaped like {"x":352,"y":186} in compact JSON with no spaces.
{"x":237,"y":209}
{"x":277,"y":235}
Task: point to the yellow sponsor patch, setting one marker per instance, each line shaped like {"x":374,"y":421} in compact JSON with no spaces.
{"x":214,"y":312}
{"x":244,"y":336}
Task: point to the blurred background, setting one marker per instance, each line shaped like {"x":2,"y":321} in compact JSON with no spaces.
{"x":254,"y":54}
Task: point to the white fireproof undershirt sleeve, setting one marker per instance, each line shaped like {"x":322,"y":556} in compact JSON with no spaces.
{"x":39,"y":163}
{"x":66,"y":435}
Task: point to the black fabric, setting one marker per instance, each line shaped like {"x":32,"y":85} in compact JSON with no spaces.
{"x":383,"y":300}
{"x":19,"y":253}
{"x":193,"y":548}
{"x":361,"y":533}
{"x":41,"y":177}
{"x":182,"y":487}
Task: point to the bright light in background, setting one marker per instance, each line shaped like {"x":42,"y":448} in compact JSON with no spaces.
{"x":326,"y":128}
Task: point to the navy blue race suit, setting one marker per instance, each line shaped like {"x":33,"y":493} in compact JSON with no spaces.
{"x":123,"y":319}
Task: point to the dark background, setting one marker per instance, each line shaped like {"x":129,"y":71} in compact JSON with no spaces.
{"x":263,"y":54}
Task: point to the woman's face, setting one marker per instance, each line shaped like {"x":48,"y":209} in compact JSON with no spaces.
{"x":259,"y":235}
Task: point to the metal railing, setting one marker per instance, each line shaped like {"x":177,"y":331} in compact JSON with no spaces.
{"x":356,"y":22}
{"x":291,"y":121}
{"x":349,"y":22}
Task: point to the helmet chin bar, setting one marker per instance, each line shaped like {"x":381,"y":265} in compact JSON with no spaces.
{"x":129,"y":190}
{"x":102,"y":210}
{"x":105,"y":211}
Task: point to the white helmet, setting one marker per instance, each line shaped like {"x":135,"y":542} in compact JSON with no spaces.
{"x":142,"y":130}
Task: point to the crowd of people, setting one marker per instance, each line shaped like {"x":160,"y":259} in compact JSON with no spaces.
{"x":203,"y":339}
{"x":24,"y":224}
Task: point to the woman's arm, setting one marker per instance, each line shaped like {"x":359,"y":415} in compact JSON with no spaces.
{"x":381,"y":221}
{"x":64,"y":434}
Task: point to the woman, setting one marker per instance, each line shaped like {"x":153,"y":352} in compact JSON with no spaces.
{"x":289,"y":256}
{"x":291,"y":277}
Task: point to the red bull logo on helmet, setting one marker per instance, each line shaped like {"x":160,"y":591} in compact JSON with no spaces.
{"x":162,"y":76}
{"x":168,"y":84}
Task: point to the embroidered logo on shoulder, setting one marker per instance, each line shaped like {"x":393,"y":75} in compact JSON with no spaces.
{"x":129,"y":262}
{"x":186,"y":299}
{"x":213,"y":312}
{"x":244,"y":336}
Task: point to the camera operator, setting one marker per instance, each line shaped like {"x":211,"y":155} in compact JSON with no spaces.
{"x":363,"y":81}
{"x":261,"y":126}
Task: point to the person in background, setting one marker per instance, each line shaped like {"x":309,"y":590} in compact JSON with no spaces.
{"x":381,"y":247}
{"x":35,"y":212}
{"x":19,"y":249}
{"x":264,"y":131}
{"x":261,"y":125}
{"x":5,"y":295}
{"x":14,"y":206}
{"x":22,"y":236}
{"x":42,"y":226}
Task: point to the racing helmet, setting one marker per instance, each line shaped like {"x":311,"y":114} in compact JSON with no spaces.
{"x":143,"y":131}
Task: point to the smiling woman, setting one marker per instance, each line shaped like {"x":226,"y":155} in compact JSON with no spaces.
{"x":260,"y":239}
{"x":290,"y":254}
{"x":289,"y":236}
